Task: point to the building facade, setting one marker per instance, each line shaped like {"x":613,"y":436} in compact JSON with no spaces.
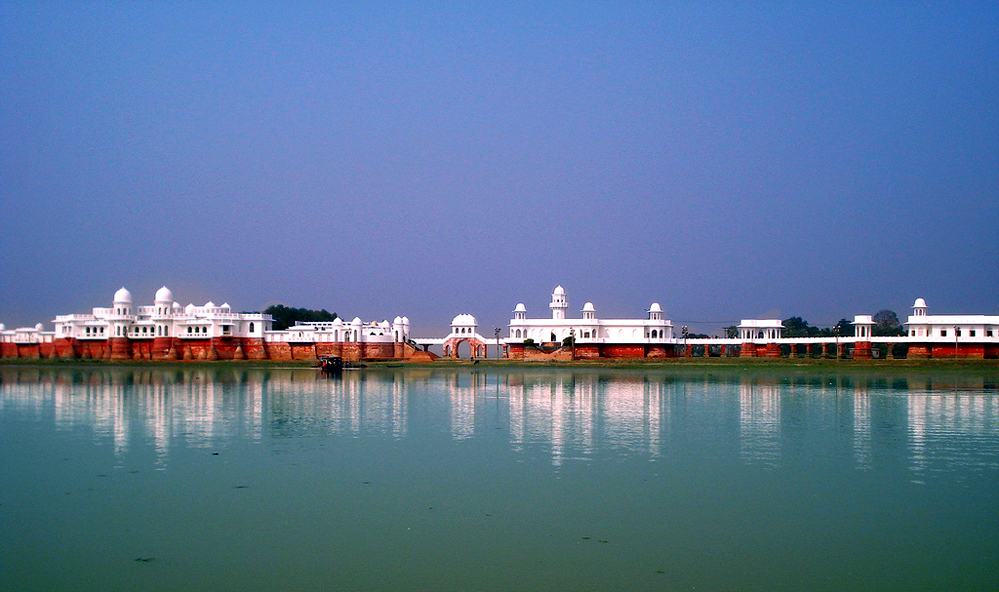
{"x":168,"y":331}
{"x":943,"y":336}
{"x":591,"y":336}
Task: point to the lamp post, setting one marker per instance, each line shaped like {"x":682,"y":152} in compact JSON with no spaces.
{"x":955,"y":341}
{"x":683,"y":331}
{"x":572,"y":342}
{"x":496,"y":330}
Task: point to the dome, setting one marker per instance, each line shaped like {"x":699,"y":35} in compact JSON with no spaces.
{"x":209,"y":304}
{"x":520,"y":307}
{"x":338,"y":321}
{"x":123,"y":296}
{"x":356,"y":321}
{"x":3,"y":327}
{"x":405,"y":320}
{"x":189,"y":309}
{"x":464,"y":319}
{"x":655,"y":307}
{"x":559,"y":290}
{"x":920,"y":303}
{"x":39,"y":327}
{"x":163,"y":295}
{"x":397,"y":321}
{"x":385,"y":325}
{"x":588,"y":307}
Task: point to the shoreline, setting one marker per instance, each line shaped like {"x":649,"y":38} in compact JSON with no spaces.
{"x":936,"y":364}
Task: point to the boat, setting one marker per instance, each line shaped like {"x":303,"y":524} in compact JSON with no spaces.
{"x":331,"y":364}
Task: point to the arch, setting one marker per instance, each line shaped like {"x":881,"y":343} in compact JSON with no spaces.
{"x":252,"y":326}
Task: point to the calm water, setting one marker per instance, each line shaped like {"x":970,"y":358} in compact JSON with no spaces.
{"x":153,"y":479}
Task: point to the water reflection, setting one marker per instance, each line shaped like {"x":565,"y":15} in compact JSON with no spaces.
{"x":764,"y":419}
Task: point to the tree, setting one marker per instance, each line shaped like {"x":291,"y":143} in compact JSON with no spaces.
{"x":285,"y":316}
{"x":843,"y":328}
{"x":886,"y":324}
{"x":796,"y":327}
{"x":731,"y":332}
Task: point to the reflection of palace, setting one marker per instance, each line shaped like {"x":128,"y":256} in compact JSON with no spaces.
{"x":565,"y":414}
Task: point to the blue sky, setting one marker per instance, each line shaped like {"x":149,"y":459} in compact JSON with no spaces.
{"x":428,"y":159}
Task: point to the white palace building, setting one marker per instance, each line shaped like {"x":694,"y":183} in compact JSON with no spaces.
{"x":167,"y":330}
{"x":590,"y":336}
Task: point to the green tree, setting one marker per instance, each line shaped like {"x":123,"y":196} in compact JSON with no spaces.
{"x":286,"y":316}
{"x":796,"y":327}
{"x":886,"y":324}
{"x":731,"y":332}
{"x":844,"y":327}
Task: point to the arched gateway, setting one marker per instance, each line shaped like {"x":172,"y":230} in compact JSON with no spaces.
{"x":464,"y":329}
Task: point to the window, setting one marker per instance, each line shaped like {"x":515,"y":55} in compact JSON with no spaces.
{"x":957,"y":332}
{"x":188,"y":330}
{"x":988,"y":333}
{"x":251,"y":327}
{"x":943,"y":332}
{"x":971,"y":332}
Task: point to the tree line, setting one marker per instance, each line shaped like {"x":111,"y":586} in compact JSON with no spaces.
{"x":286,"y":316}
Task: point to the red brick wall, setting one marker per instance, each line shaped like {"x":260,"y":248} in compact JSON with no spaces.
{"x":622,"y":351}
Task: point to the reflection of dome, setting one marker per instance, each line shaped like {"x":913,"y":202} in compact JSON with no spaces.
{"x":123,"y":296}
{"x":163,"y":295}
{"x":655,"y":307}
{"x":588,"y":307}
{"x":464,"y":319}
{"x":920,"y":303}
{"x":520,"y":307}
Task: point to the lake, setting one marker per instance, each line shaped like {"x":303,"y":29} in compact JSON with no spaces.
{"x":202,"y":478}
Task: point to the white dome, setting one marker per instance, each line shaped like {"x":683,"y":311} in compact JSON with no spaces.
{"x":39,"y":327}
{"x":163,"y":295}
{"x":520,"y":307}
{"x":465,"y":320}
{"x":655,"y":307}
{"x":385,"y":325}
{"x":397,"y":321}
{"x":338,"y":321}
{"x":559,"y":290}
{"x":920,"y":303}
{"x":588,"y":307}
{"x":356,"y":321}
{"x":123,"y":296}
{"x":405,"y":320}
{"x":3,"y":327}
{"x":209,"y":304}
{"x":189,"y":309}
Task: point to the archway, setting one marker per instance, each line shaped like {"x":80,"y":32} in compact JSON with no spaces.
{"x":476,"y":348}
